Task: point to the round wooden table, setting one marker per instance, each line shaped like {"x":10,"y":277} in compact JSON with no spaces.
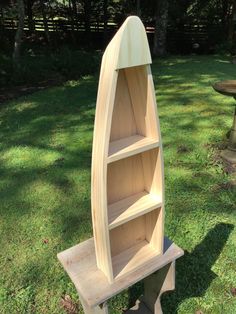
{"x":228,"y":88}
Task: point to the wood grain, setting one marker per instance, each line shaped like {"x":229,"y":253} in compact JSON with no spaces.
{"x":134,"y":242}
{"x":127,"y":154}
{"x":131,"y":207}
{"x":124,"y":178}
{"x":130,"y":146}
{"x":123,"y":114}
{"x":227,"y":87}
{"x":133,"y":258}
{"x":94,"y":287}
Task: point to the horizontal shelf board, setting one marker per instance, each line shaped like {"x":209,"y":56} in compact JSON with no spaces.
{"x":132,"y":207}
{"x":132,"y":258}
{"x":130,"y":146}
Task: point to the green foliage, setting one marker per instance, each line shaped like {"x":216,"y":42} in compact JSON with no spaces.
{"x":65,"y":63}
{"x":46,"y":141}
{"x":73,"y":64}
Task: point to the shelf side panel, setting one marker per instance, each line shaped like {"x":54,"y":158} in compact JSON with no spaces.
{"x":152,"y":170}
{"x":123,"y":122}
{"x":158,"y":186}
{"x":104,"y":107}
{"x":142,"y":101}
{"x":153,"y":178}
{"x":154,"y":229}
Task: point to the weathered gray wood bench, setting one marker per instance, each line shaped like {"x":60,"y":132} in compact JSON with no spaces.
{"x":94,"y":289}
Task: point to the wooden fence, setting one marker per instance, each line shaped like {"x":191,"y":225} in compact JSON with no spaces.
{"x":179,"y":39}
{"x":58,"y":25}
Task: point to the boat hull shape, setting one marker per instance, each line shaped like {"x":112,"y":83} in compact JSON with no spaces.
{"x":127,"y":190}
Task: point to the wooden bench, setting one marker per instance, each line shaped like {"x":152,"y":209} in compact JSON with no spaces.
{"x":94,"y":289}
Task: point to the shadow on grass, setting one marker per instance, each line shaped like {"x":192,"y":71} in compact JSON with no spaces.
{"x":45,"y":141}
{"x":193,"y":270}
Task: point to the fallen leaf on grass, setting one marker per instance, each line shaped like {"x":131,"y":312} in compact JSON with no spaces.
{"x":229,"y":168}
{"x":233,"y":292}
{"x":182,"y":149}
{"x":45,"y":241}
{"x":226,"y":186}
{"x":199,"y":312}
{"x":68,"y":305}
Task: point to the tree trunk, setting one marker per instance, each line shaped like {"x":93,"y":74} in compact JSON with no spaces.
{"x":138,"y":9}
{"x":225,"y":14}
{"x":74,"y":8}
{"x":30,"y":16}
{"x":45,"y":22}
{"x":159,"y":44}
{"x":19,"y":32}
{"x":105,"y":18}
{"x":71,"y":17}
{"x":87,"y":12}
{"x":232,"y":28}
{"x":2,"y":20}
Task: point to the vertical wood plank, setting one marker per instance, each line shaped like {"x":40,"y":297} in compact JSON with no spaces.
{"x":155,"y":285}
{"x":101,"y":309}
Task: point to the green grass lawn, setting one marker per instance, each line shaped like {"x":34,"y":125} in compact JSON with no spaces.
{"x":46,"y":141}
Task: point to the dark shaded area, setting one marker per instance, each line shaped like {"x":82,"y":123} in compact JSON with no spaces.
{"x":14,"y":92}
{"x":193,"y":270}
{"x":76,"y":27}
{"x":41,"y":68}
{"x":196,"y":37}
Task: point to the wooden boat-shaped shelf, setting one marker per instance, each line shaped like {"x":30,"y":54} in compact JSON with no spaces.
{"x":127,"y":164}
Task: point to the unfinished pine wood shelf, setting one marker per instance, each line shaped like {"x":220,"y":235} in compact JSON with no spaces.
{"x":131,"y":207}
{"x":129,"y":146}
{"x":127,"y":163}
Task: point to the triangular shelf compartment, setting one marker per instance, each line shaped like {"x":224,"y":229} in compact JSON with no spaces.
{"x":127,"y":164}
{"x":133,"y":127}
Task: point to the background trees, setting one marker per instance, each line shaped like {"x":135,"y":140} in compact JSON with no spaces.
{"x":20,"y":29}
{"x":37,"y":28}
{"x":161,"y":23}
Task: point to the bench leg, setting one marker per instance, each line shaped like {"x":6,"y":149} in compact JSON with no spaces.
{"x":155,"y":285}
{"x":100,"y":309}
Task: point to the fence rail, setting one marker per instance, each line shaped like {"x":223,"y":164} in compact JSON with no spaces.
{"x":58,"y":25}
{"x":179,"y":39}
{"x":94,"y":26}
